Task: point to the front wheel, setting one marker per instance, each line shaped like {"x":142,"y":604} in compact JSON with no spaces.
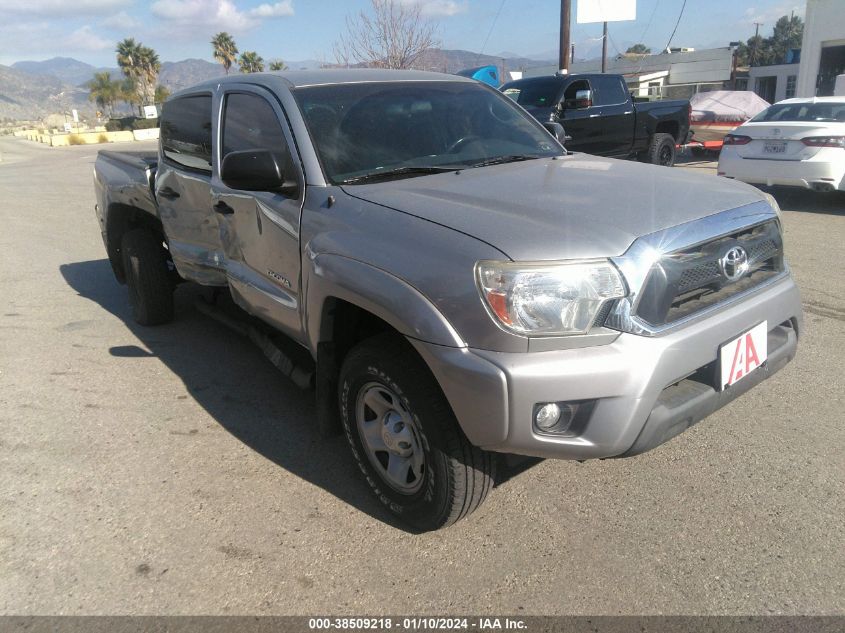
{"x":406,"y":439}
{"x":661,"y":151}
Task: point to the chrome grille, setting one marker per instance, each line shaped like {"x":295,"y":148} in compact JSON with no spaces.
{"x":686,"y":281}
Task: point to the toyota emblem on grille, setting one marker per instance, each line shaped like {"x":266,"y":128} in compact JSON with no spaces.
{"x":734,"y":264}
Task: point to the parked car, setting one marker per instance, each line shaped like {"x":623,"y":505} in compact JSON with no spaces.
{"x":456,"y":283}
{"x":796,"y":142}
{"x":597,"y":111}
{"x":487,"y":74}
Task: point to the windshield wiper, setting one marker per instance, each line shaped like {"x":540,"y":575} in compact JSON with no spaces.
{"x":399,"y":172}
{"x":500,"y":160}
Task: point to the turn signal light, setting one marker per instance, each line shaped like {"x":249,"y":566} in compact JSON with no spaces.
{"x":736,"y":139}
{"x":824,"y":141}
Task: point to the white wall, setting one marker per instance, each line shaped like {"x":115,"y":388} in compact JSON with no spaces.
{"x":824,"y":24}
{"x":780,"y":71}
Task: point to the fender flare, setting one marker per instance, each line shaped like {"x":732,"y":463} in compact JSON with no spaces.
{"x":377,"y":291}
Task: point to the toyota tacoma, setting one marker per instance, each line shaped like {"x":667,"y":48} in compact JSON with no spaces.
{"x":451,"y":281}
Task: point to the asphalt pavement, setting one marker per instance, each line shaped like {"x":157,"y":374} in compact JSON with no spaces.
{"x":172,"y":470}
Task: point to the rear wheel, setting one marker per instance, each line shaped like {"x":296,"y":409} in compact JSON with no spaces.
{"x":147,"y":277}
{"x":661,"y":151}
{"x":406,"y":439}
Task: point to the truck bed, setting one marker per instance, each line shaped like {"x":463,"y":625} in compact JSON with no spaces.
{"x":139,"y":160}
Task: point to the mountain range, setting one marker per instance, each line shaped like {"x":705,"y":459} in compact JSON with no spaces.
{"x":34,"y":89}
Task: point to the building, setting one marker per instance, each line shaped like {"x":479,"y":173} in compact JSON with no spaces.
{"x":776,"y":82}
{"x":676,"y":75}
{"x":822,"y":49}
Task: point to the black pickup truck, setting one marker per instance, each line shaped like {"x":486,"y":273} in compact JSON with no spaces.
{"x":597,"y":111}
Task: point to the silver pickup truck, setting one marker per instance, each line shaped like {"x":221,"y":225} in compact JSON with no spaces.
{"x":458,"y":284}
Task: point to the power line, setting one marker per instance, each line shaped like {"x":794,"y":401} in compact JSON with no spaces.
{"x":650,"y":20}
{"x":492,"y":26}
{"x":645,"y":30}
{"x":684,"y":6}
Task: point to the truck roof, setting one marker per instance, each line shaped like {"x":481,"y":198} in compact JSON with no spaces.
{"x":325,"y":76}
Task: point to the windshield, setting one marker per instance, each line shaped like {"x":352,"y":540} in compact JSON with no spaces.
{"x":414,"y":128}
{"x":534,"y":92}
{"x":808,"y":112}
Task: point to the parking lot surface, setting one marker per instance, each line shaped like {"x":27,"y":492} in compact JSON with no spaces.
{"x":172,"y":469}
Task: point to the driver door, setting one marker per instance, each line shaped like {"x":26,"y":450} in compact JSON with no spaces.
{"x":584,"y":125}
{"x":259,"y":230}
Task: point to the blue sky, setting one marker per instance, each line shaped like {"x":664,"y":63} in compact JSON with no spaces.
{"x":306,"y":29}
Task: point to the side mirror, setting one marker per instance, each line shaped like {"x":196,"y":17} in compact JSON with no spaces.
{"x":253,"y":170}
{"x":583,"y":99}
{"x":556,"y":130}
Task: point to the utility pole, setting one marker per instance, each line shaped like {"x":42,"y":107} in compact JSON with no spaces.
{"x":757,"y":26}
{"x":604,"y":50}
{"x":563,"y":56}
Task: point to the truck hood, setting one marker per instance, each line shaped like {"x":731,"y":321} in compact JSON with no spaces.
{"x":573,"y":207}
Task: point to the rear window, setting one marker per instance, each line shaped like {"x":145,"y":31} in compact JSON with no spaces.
{"x":186,"y":132}
{"x":534,"y":93}
{"x":609,"y":90}
{"x":809,"y":112}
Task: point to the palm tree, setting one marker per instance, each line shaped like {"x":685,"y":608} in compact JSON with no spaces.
{"x":104,"y":91}
{"x":128,"y":53}
{"x":150,"y":66}
{"x":225,"y":50}
{"x":129,"y":93}
{"x":278,"y":64}
{"x":250,"y":62}
{"x":162,"y":93}
{"x":140,"y":65}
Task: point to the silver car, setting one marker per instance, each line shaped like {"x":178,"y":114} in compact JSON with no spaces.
{"x":456,"y":283}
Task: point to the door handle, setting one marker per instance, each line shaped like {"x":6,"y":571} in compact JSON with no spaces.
{"x":168,"y":193}
{"x":222,"y":208}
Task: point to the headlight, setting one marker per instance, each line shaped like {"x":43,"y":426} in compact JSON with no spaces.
{"x":774,"y":203}
{"x":547,"y":299}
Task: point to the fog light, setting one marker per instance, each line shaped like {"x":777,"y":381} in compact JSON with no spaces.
{"x":561,"y":418}
{"x":547,"y":416}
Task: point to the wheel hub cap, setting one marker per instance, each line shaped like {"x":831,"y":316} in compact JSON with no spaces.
{"x":390,"y":437}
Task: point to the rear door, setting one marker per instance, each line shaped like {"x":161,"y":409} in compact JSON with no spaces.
{"x":610,"y":95}
{"x":183,"y":189}
{"x":260,"y":229}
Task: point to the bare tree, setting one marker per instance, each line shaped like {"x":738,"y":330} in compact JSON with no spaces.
{"x":394,"y":35}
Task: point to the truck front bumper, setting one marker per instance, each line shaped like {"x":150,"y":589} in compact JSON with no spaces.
{"x":641,"y":390}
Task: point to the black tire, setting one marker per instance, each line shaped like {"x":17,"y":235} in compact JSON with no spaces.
{"x":456,"y":476}
{"x":147,"y":277}
{"x":661,"y":150}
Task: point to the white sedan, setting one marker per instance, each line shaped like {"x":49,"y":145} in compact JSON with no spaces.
{"x":797,"y":142}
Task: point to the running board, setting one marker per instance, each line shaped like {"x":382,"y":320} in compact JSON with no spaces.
{"x":301,"y":374}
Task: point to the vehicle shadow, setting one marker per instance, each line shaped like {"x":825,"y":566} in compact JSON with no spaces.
{"x":241,"y":390}
{"x":794,"y":199}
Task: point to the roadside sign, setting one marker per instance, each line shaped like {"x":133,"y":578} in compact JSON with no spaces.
{"x":606,"y":11}
{"x":75,"y":116}
{"x":150,"y":112}
{"x":68,"y":127}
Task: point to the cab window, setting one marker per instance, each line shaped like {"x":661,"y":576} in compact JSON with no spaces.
{"x":609,"y":91}
{"x":572,"y":91}
{"x":250,"y":123}
{"x":186,"y":132}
